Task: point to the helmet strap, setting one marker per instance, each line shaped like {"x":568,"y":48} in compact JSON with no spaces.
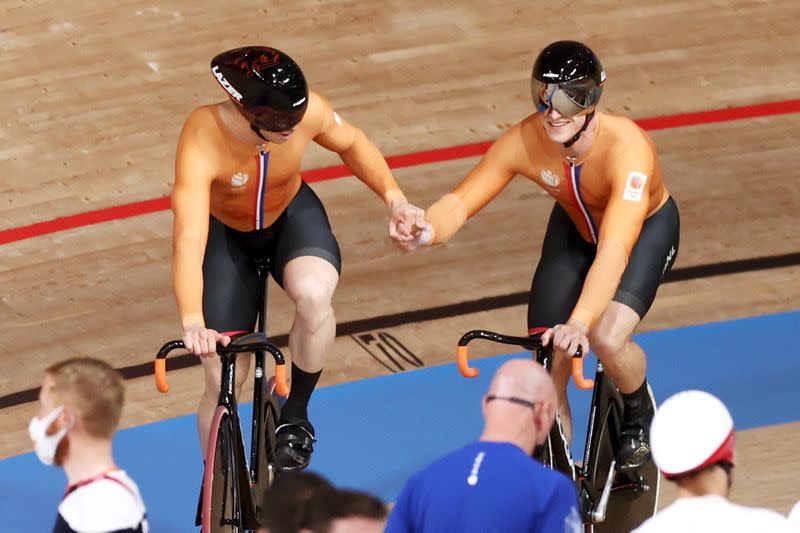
{"x":577,"y":136}
{"x":257,"y":131}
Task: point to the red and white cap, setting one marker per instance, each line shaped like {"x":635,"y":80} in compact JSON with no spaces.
{"x":691,"y":430}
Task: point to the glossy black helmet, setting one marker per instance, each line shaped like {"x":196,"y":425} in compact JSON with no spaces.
{"x":265,"y":83}
{"x":568,"y":77}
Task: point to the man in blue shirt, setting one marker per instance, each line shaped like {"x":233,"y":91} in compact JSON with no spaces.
{"x":494,"y":484}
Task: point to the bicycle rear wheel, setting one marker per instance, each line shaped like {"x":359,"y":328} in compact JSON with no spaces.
{"x":221,"y":504}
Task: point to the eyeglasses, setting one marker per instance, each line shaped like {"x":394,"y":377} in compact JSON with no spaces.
{"x":512,"y":399}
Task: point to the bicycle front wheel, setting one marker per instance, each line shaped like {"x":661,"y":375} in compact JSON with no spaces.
{"x":221,"y":503}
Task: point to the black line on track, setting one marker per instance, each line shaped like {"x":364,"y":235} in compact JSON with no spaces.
{"x":489,"y":303}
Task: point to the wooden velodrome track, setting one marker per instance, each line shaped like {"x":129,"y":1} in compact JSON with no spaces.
{"x":94,"y":98}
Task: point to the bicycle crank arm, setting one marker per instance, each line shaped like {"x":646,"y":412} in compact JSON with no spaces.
{"x":599,"y":515}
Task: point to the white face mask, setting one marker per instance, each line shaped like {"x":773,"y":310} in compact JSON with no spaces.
{"x":46,"y":445}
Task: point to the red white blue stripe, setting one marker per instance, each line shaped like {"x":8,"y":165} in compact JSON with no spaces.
{"x":263,"y":161}
{"x":574,"y":179}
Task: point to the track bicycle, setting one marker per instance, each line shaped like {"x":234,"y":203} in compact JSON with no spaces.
{"x":233,"y":488}
{"x":611,"y":500}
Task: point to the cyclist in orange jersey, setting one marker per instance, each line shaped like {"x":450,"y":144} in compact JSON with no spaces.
{"x":612,"y":234}
{"x":239,"y":198}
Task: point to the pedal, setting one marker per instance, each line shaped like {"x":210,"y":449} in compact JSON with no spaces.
{"x":641,"y":484}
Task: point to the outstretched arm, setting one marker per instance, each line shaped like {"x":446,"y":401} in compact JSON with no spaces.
{"x":490,"y":176}
{"x":368,"y":164}
{"x":356,"y":150}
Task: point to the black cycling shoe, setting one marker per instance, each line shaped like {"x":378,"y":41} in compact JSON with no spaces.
{"x":634,"y":439}
{"x":634,"y":450}
{"x":294,"y":444}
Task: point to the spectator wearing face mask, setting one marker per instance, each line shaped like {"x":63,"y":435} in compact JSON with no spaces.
{"x":79,"y":410}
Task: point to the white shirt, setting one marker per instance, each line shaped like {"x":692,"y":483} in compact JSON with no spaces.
{"x":794,"y":516}
{"x":703,"y":514}
{"x":103,"y":505}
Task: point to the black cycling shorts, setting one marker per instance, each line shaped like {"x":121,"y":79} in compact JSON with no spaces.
{"x":230,"y":277}
{"x":567,"y":257}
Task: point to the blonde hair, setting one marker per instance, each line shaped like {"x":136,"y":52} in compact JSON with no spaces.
{"x":93,"y":388}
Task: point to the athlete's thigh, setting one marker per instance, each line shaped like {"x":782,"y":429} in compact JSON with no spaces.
{"x":230,"y":282}
{"x":652,"y":256}
{"x":558,"y":280}
{"x":306,"y":231}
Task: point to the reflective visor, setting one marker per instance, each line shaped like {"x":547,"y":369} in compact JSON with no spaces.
{"x":571,"y":98}
{"x":269,"y":119}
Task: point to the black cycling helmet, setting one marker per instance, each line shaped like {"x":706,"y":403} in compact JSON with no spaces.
{"x":266,"y":84}
{"x":568,"y":77}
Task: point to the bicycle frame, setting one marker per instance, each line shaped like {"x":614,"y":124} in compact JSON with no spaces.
{"x":259,"y":388}
{"x":595,"y":484}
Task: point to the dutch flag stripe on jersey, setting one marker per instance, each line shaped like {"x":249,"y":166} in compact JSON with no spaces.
{"x":263,"y":161}
{"x":574,"y":175}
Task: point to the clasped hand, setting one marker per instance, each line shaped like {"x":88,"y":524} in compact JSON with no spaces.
{"x":408,"y":229}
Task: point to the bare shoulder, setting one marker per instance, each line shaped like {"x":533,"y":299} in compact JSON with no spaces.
{"x":199,"y":126}
{"x":626,"y":142}
{"x":525,"y":135}
{"x":318,"y":106}
{"x":316,"y":112}
{"x":316,"y":102}
{"x":514,"y":137}
{"x":623,"y":129}
{"x":200,"y":116}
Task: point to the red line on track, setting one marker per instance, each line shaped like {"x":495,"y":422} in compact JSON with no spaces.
{"x":396,"y":161}
{"x":84,"y":219}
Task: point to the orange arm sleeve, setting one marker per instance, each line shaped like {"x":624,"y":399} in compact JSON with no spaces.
{"x":622,"y":223}
{"x":190,"y":206}
{"x":356,"y":150}
{"x":490,"y":176}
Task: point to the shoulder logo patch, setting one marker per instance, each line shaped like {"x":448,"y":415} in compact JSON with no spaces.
{"x":634,"y":187}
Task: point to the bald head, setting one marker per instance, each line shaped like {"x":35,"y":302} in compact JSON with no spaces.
{"x":506,"y":410}
{"x":524,"y":378}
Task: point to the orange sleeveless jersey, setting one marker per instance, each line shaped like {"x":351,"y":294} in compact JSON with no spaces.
{"x":608,"y":193}
{"x":247,"y":187}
